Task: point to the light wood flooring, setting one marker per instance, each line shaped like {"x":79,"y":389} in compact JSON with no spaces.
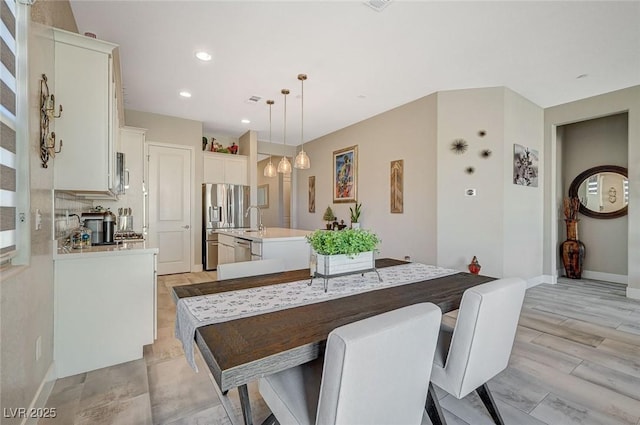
{"x":576,"y":360}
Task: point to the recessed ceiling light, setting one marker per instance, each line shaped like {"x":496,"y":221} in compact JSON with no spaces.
{"x":185,"y":94}
{"x":203,"y":56}
{"x":245,"y":121}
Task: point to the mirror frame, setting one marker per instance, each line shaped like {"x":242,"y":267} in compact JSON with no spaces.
{"x":575,"y":184}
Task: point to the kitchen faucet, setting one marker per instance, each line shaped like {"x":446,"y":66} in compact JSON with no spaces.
{"x":260,"y":226}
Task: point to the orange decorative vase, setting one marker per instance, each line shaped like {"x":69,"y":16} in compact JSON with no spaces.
{"x":572,"y":251}
{"x":474,"y":266}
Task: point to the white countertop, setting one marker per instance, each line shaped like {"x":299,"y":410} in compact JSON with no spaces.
{"x":271,"y":234}
{"x":125,"y":248}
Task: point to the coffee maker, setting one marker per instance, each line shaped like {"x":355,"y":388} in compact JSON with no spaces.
{"x":102,"y":225}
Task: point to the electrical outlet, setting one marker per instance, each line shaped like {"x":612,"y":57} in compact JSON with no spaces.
{"x":38,"y":348}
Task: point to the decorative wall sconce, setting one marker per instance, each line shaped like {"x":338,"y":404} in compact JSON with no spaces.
{"x":47,"y":111}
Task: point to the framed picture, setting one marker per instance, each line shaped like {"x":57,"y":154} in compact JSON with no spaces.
{"x":345,"y":175}
{"x":312,"y":194}
{"x":263,"y":196}
{"x":525,"y":166}
{"x":396,"y":180}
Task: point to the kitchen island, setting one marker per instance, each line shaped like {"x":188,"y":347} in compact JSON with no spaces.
{"x":290,"y":245}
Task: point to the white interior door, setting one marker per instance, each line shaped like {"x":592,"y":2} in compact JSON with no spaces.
{"x":169,"y":200}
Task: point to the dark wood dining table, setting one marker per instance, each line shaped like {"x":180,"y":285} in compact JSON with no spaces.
{"x":242,"y":350}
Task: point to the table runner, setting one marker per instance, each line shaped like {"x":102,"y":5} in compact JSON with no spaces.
{"x":203,"y":310}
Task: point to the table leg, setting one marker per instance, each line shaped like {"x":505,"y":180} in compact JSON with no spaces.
{"x":244,"y":403}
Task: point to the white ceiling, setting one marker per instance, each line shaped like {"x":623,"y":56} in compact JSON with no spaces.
{"x":360,"y":62}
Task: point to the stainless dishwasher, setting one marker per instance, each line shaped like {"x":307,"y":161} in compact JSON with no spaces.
{"x":242,"y":250}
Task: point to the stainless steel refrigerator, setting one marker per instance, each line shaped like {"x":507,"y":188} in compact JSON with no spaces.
{"x":223,"y":207}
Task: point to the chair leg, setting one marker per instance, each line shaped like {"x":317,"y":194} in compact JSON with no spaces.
{"x":489,"y":403}
{"x":270,"y":420}
{"x":433,"y":407}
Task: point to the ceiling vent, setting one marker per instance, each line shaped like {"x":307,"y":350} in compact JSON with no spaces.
{"x":377,"y":5}
{"x":254,"y":99}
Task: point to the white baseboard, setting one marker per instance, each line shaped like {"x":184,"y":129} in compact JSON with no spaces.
{"x":633,"y":293}
{"x":196,"y":268}
{"x":607,"y":277}
{"x":535,"y":281}
{"x":42,"y":395}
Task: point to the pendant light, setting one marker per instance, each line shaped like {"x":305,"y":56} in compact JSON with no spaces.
{"x":302,"y":159}
{"x":284,"y":166}
{"x":270,"y":169}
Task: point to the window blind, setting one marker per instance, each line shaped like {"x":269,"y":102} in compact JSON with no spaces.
{"x":8,"y":90}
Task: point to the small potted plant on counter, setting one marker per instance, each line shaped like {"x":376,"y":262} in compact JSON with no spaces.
{"x":355,"y":215}
{"x":344,"y":252}
{"x":329,"y":217}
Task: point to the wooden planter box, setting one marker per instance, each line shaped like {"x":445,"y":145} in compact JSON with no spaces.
{"x":328,"y":266}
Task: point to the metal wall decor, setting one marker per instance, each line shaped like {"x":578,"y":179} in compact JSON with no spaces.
{"x":459,"y":146}
{"x":485,"y":153}
{"x":47,"y":111}
{"x":397,"y":189}
{"x":470,"y":170}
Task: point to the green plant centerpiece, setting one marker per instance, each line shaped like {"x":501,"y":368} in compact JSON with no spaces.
{"x":328,"y":217}
{"x":355,"y":211}
{"x":343,"y":252}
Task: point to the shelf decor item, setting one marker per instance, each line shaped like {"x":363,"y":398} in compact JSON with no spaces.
{"x":572,"y":250}
{"x":355,"y":211}
{"x":328,"y":217}
{"x":350,"y":251}
{"x":474,"y":266}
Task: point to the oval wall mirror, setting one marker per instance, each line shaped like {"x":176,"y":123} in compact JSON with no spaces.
{"x":603,"y":191}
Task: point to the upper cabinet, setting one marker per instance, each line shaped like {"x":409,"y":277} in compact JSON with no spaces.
{"x":87,"y":86}
{"x":225,"y":168}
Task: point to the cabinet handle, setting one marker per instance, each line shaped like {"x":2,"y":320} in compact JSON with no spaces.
{"x":186,"y":227}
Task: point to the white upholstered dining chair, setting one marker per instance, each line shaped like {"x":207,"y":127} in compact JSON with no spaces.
{"x":250,"y":268}
{"x":372,"y":373}
{"x":479,"y":346}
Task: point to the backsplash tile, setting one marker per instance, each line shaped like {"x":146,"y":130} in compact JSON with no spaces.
{"x":66,"y":204}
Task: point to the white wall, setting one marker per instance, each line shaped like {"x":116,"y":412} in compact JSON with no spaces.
{"x":523,"y":211}
{"x":469,"y":226}
{"x":610,"y":103}
{"x":407,"y":132}
{"x":180,"y":131}
{"x":271,"y":214}
{"x":502,"y":224}
{"x":26,"y":292}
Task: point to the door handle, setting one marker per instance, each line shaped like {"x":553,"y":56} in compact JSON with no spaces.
{"x":186,"y":227}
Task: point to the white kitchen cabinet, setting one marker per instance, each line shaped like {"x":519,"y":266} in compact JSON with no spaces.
{"x":132,"y":141}
{"x":105,"y":308}
{"x":224,"y":168}
{"x":87,"y":88}
{"x":226,"y":249}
